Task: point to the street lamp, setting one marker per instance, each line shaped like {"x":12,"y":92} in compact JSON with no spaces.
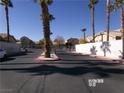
{"x":83,"y":30}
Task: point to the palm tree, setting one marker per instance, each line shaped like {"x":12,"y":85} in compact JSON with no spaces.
{"x":119,"y":4}
{"x":92,"y":7}
{"x":122,"y":28}
{"x":7,"y":3}
{"x":108,"y":19}
{"x":84,"y":30}
{"x":46,"y":17}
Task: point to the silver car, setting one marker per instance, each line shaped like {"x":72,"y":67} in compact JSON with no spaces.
{"x":3,"y":54}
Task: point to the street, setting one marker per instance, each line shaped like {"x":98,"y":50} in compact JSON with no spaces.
{"x":71,"y":74}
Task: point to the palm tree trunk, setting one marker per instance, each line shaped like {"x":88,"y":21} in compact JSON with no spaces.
{"x":122,"y":28}
{"x":108,"y":19}
{"x":93,"y":24}
{"x":84,"y":36}
{"x":7,"y":22}
{"x":46,"y":28}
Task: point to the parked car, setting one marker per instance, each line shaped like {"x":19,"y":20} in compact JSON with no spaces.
{"x":3,"y":54}
{"x":25,"y":50}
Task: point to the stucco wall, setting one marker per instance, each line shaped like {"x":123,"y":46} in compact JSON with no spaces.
{"x":10,"y":48}
{"x":112,"y":49}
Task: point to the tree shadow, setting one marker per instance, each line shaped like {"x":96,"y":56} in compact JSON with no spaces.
{"x":73,"y":71}
{"x":83,"y":62}
{"x":29,"y":51}
{"x":7,"y":59}
{"x":105,"y":47}
{"x":121,"y":53}
{"x":18,"y":54}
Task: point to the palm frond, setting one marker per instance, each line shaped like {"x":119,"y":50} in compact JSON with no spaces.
{"x":92,"y":3}
{"x":96,"y":1}
{"x":10,"y":3}
{"x":117,"y":4}
{"x":112,"y":8}
{"x":51,"y":17}
{"x":1,"y":2}
{"x":6,"y":2}
{"x":90,"y":6}
{"x":49,"y":2}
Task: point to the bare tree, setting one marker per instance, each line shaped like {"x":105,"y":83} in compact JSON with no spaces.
{"x":59,"y":41}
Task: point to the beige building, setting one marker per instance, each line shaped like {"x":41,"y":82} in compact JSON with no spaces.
{"x":3,"y":37}
{"x":102,"y":36}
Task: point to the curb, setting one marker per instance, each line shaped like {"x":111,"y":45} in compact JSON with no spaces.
{"x":119,"y":61}
{"x":54,"y":57}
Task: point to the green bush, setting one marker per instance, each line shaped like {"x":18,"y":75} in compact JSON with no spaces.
{"x":82,"y":41}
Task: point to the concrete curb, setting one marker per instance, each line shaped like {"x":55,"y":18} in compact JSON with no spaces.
{"x":109,"y":59}
{"x":112,"y":60}
{"x":54,"y":57}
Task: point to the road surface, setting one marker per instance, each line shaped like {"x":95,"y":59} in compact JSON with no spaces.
{"x":72,"y":74}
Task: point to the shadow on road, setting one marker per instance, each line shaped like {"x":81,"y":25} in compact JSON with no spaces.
{"x":7,"y":59}
{"x":74,"y":71}
{"x":18,"y":54}
{"x":13,"y":57}
{"x":78,"y":67}
{"x":68,"y":62}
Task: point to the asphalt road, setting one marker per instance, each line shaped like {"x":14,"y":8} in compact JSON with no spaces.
{"x":71,"y":74}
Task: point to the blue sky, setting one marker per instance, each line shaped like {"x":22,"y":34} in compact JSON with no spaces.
{"x":71,"y":16}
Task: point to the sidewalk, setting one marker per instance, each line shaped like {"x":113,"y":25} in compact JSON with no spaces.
{"x":97,"y":57}
{"x":108,"y":59}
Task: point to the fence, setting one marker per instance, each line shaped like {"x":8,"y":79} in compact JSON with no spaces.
{"x":112,"y":49}
{"x":11,"y":48}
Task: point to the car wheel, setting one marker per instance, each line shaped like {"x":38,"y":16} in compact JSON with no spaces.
{"x":0,"y":59}
{"x":5,"y":57}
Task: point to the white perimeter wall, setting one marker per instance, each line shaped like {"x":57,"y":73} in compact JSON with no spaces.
{"x":112,"y":49}
{"x":10,"y":48}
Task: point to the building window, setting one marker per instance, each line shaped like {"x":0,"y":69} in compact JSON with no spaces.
{"x":118,"y":37}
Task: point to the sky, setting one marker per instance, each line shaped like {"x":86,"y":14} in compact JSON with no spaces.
{"x":70,"y":17}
